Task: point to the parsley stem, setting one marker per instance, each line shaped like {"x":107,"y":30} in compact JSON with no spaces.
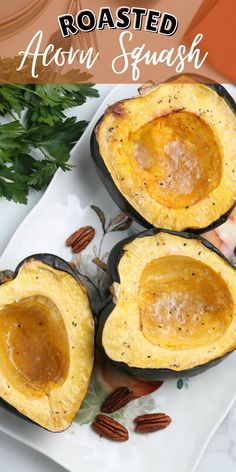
{"x":15,"y":118}
{"x":46,"y":156}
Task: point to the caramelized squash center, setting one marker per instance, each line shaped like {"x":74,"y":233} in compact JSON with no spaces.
{"x":180,"y":157}
{"x":34,"y":348}
{"x":183,"y":303}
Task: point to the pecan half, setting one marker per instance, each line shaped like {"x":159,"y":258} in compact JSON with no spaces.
{"x":109,"y":428}
{"x":80,"y":239}
{"x":151,"y":422}
{"x":119,"y":398}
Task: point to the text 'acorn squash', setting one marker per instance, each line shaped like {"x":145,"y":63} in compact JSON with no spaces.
{"x":46,"y":342}
{"x":174,"y":305}
{"x":168,"y":157}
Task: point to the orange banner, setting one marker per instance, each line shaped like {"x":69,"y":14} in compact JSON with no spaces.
{"x":67,"y":41}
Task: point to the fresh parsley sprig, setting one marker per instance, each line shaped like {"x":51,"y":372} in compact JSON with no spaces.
{"x":43,"y":126}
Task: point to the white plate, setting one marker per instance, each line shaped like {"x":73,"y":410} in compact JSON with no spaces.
{"x":196,"y":409}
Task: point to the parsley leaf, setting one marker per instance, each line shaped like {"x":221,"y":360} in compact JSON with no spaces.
{"x":42,"y":174}
{"x":67,"y":132}
{"x":54,"y":99}
{"x":13,"y":186}
{"x":11,"y":100}
{"x":10,"y":141}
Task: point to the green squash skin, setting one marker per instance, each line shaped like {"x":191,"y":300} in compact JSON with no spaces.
{"x":117,"y":196}
{"x":57,"y":263}
{"x":113,"y":262}
{"x":51,"y":260}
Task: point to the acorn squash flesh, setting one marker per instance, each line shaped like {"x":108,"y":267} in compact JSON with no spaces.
{"x":46,"y":343}
{"x":168,"y":157}
{"x":173,"y":306}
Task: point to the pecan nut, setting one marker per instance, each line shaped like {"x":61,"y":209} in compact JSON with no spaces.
{"x":151,"y":422}
{"x":109,"y":428}
{"x":116,"y":400}
{"x":80,"y":239}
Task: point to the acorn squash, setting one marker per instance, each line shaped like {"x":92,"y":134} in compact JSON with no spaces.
{"x":46,"y":342}
{"x":168,"y":157}
{"x":174,"y":305}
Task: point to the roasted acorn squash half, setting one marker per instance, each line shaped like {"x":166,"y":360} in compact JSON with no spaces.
{"x":174,"y":305}
{"x":46,"y":342}
{"x":168,"y":157}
